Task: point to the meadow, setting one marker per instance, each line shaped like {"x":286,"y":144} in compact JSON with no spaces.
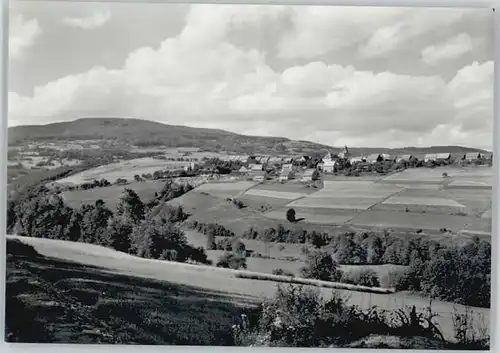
{"x":170,"y":287}
{"x":123,"y":170}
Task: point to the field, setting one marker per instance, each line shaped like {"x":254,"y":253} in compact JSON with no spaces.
{"x":124,"y":170}
{"x":409,"y":200}
{"x":412,"y":199}
{"x":111,"y":194}
{"x":167,"y":285}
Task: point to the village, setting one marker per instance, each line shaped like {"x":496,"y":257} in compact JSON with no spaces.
{"x":307,"y":168}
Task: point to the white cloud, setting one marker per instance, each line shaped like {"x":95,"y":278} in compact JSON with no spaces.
{"x":451,"y":49}
{"x":319,"y":30}
{"x":408,"y":25}
{"x":96,"y":20}
{"x":199,"y":78}
{"x":472,"y":92}
{"x":23,"y":34}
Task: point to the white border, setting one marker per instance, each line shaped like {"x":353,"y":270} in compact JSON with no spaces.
{"x":4,"y":60}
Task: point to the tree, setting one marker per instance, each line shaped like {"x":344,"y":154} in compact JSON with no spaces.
{"x":131,"y":206}
{"x":320,"y":265}
{"x":211,"y":245}
{"x":349,"y":252}
{"x":95,"y":223}
{"x":44,"y":216}
{"x":137,"y":177}
{"x":121,"y":181}
{"x":11,"y":215}
{"x":151,"y":237}
{"x":239,"y":247}
{"x":290,"y":215}
{"x":73,"y":231}
{"x":119,"y":231}
{"x":233,"y":261}
{"x":363,"y":277}
{"x":374,"y":251}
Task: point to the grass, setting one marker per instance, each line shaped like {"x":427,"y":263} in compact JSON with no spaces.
{"x":72,"y":303}
{"x":136,"y":271}
{"x":313,"y":282}
{"x":262,"y":204}
{"x":375,"y":218}
{"x":275,"y":194}
{"x":346,"y":203}
{"x":293,"y":186}
{"x":111,"y":194}
{"x":125,"y":170}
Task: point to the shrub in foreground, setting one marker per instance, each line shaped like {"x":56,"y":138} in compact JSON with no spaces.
{"x":298,"y":316}
{"x":233,"y":261}
{"x":363,"y":277}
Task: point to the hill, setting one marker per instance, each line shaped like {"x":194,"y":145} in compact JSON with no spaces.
{"x":146,"y":133}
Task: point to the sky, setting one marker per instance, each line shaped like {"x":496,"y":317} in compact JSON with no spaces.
{"x":355,"y":76}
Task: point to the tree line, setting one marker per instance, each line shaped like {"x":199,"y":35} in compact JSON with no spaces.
{"x":132,"y":228}
{"x":457,"y":273}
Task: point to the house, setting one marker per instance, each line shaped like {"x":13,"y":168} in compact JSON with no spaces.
{"x":431,"y":157}
{"x":287,"y":160}
{"x":344,"y":154}
{"x":386,"y":157}
{"x":259,"y":176}
{"x":487,"y":156}
{"x":189,"y":167}
{"x":243,"y":170}
{"x":374,"y":158}
{"x":255,"y":167}
{"x":301,"y":159}
{"x":275,"y":161}
{"x":310,"y":175}
{"x":328,"y":166}
{"x":225,"y":158}
{"x":404,"y":158}
{"x":472,"y":156}
{"x":443,"y":156}
{"x":286,"y":173}
{"x":354,"y":160}
{"x":244,"y":159}
{"x":263,"y":159}
{"x":328,"y":157}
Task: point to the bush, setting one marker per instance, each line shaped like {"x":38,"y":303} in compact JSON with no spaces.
{"x":363,"y":277}
{"x":290,"y":215}
{"x":238,"y":203}
{"x":282,"y":272}
{"x":320,"y":265}
{"x":239,"y":247}
{"x":157,"y":239}
{"x":298,"y":316}
{"x":394,"y":279}
{"x":225,"y":244}
{"x":233,"y":261}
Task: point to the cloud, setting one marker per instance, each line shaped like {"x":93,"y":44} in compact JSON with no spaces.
{"x":453,"y":48}
{"x":96,"y":20}
{"x":320,"y":30}
{"x":23,"y":34}
{"x":408,"y":25}
{"x":200,"y":78}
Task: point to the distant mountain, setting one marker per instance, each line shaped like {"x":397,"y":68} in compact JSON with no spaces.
{"x":149,"y":134}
